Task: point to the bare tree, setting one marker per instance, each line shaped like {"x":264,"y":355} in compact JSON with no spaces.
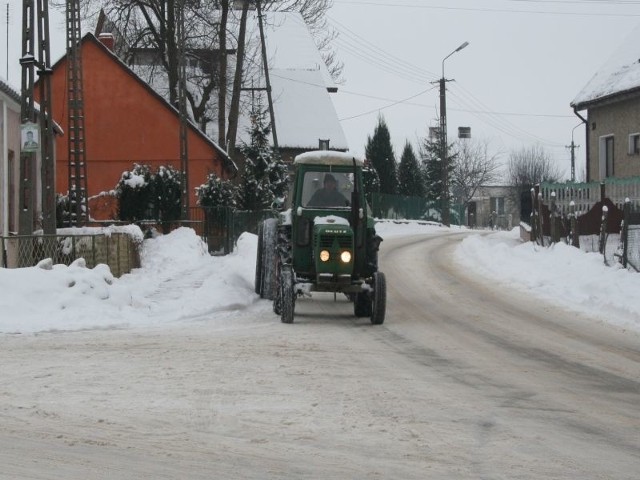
{"x":148,"y":30}
{"x":530,"y":166}
{"x":474,"y":167}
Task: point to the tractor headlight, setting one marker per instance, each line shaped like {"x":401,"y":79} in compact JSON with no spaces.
{"x":345,"y":256}
{"x":324,"y":255}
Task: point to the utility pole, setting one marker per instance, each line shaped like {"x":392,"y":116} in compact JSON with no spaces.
{"x":444,"y":154}
{"x":7,"y":43}
{"x":444,"y":148}
{"x":78,"y":188}
{"x":573,"y":147}
{"x":182,"y":104}
{"x":27,"y":116}
{"x":29,"y":155}
{"x":47,"y":167}
{"x":266,"y":76}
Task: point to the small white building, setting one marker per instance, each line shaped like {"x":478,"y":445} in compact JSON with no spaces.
{"x":9,"y":166}
{"x":494,"y":206}
{"x":10,"y":145}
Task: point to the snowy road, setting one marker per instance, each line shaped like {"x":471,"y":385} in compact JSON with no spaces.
{"x":461,"y":381}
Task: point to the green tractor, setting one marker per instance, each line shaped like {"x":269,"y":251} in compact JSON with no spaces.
{"x":325,"y":242}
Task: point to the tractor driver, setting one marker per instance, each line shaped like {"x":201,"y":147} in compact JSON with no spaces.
{"x":328,"y":196}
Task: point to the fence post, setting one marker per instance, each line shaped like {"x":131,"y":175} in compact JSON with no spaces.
{"x":540,"y":219}
{"x":625,"y":231}
{"x":553,"y":227}
{"x":603,"y":232}
{"x":575,"y":237}
{"x":532,"y":218}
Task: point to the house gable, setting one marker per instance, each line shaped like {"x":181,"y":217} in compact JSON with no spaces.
{"x":127,"y":122}
{"x":612,"y":100}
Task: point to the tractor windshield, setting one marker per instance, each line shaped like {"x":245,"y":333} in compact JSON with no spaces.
{"x":322,"y":189}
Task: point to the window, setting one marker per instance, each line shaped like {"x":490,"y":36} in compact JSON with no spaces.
{"x":497,"y":205}
{"x":12,"y":174}
{"x":606,"y":157}
{"x":323,"y":189}
{"x":609,"y":155}
{"x":634,"y":144}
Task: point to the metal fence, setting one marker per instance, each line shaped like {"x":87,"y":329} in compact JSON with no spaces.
{"x":117,"y":250}
{"x":413,"y":208}
{"x":585,"y":195}
{"x":222,"y":226}
{"x":605,"y":227}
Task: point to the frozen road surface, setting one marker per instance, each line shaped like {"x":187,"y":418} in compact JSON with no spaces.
{"x":463,"y":381}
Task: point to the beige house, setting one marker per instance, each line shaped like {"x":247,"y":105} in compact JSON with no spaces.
{"x":611,"y":100}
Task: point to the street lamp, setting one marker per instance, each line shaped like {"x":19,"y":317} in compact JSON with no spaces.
{"x":443,"y":141}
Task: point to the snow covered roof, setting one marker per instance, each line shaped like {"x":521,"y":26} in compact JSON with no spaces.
{"x":300,"y":82}
{"x":9,"y":91}
{"x":290,"y":45}
{"x":328,"y":157}
{"x":620,"y":74}
{"x":303,"y":110}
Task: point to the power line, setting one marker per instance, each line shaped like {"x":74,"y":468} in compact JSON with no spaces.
{"x":369,"y":3}
{"x":386,"y":106}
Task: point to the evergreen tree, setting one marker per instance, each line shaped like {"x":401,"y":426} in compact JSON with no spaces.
{"x":371,"y":180}
{"x":265,"y":176}
{"x":409,"y":174}
{"x":431,"y":157}
{"x":380,"y":152}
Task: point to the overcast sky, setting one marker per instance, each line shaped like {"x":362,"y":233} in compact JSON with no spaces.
{"x":526,"y":61}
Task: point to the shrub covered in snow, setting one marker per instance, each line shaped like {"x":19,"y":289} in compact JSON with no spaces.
{"x":135,"y":194}
{"x":216,"y":192}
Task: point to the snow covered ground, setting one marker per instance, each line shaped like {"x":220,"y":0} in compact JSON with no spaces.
{"x":179,"y":283}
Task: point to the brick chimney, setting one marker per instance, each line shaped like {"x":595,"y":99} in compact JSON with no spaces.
{"x":107,"y":40}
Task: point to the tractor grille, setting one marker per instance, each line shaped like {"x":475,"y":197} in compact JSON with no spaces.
{"x":344,"y":241}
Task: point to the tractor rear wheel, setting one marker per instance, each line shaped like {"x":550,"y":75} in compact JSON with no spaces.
{"x":269,"y":258}
{"x":259,"y":278}
{"x":379,"y":303}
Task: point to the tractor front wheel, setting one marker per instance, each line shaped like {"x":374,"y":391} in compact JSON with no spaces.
{"x":362,"y":304}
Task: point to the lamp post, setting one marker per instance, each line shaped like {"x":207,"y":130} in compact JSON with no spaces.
{"x":443,"y":141}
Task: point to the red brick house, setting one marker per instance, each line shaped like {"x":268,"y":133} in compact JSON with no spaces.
{"x":127,"y":122}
